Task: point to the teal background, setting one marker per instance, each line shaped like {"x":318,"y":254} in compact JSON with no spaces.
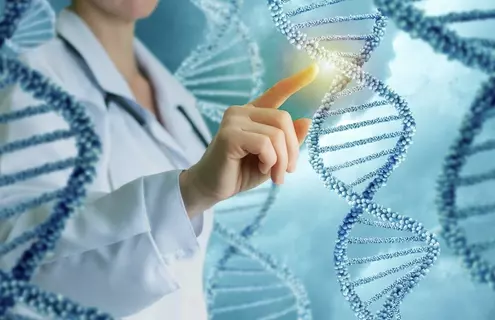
{"x":302,"y":226}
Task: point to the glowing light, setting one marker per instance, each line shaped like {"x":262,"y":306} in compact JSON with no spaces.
{"x":326,"y":66}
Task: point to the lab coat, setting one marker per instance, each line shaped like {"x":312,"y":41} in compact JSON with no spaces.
{"x":132,"y":251}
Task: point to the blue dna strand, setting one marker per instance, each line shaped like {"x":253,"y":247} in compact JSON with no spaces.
{"x":36,"y":27}
{"x":15,"y":286}
{"x":473,"y":52}
{"x":227,"y":70}
{"x":454,"y":218}
{"x":478,"y":53}
{"x":366,"y":216}
{"x":246,"y":283}
{"x":283,"y":295}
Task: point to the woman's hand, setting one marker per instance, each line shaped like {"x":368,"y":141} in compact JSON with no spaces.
{"x":255,"y":142}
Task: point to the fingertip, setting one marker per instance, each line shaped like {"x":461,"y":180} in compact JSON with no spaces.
{"x":314,"y":69}
{"x":291,"y":168}
{"x":306,"y":121}
{"x":274,"y":178}
{"x":282,"y":90}
{"x":278,"y":179}
{"x":308,"y":75}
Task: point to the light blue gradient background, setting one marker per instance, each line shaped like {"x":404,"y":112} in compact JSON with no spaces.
{"x":302,"y":228}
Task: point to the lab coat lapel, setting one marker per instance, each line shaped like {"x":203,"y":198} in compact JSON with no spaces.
{"x":105,"y":73}
{"x":170,"y":94}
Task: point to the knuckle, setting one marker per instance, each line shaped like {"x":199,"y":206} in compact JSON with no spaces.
{"x":225,"y":135}
{"x":284,"y":117}
{"x":230,"y":112}
{"x":230,"y":116}
{"x":265,"y":143}
{"x":227,"y":122}
{"x":279,"y":136}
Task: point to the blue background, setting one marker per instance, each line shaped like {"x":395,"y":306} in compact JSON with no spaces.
{"x":302,"y":226}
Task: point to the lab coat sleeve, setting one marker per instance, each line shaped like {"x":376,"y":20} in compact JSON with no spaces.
{"x":116,"y":252}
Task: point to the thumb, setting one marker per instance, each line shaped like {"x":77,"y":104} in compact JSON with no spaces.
{"x":301,"y":126}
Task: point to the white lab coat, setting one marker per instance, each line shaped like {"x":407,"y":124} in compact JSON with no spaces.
{"x":132,"y":251}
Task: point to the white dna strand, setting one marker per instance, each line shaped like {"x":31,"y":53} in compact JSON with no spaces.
{"x":219,"y":15}
{"x":15,"y":286}
{"x":456,"y":219}
{"x":245,"y":283}
{"x":368,"y":223}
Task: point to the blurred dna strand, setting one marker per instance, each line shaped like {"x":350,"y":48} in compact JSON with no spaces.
{"x":246,"y":283}
{"x":453,"y":216}
{"x":437,"y":31}
{"x":455,"y":219}
{"x":26,"y":24}
{"x":368,"y":223}
{"x":227,"y":70}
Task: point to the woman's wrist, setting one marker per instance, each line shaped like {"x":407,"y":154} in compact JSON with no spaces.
{"x":195,"y":201}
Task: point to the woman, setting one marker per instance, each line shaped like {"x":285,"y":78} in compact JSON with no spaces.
{"x":137,"y":248}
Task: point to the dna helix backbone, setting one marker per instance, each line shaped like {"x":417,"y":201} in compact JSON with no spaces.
{"x":365,"y":215}
{"x":226,"y":69}
{"x":476,"y":53}
{"x":25,"y":25}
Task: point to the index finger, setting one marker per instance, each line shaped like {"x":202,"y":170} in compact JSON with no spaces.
{"x":282,"y":90}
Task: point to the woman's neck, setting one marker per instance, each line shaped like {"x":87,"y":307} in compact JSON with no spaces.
{"x":116,"y":36}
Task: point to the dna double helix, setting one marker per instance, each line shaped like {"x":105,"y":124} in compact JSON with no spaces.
{"x":391,"y":227}
{"x":26,"y":24}
{"x":226,"y":69}
{"x":245,"y":283}
{"x":477,"y":53}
